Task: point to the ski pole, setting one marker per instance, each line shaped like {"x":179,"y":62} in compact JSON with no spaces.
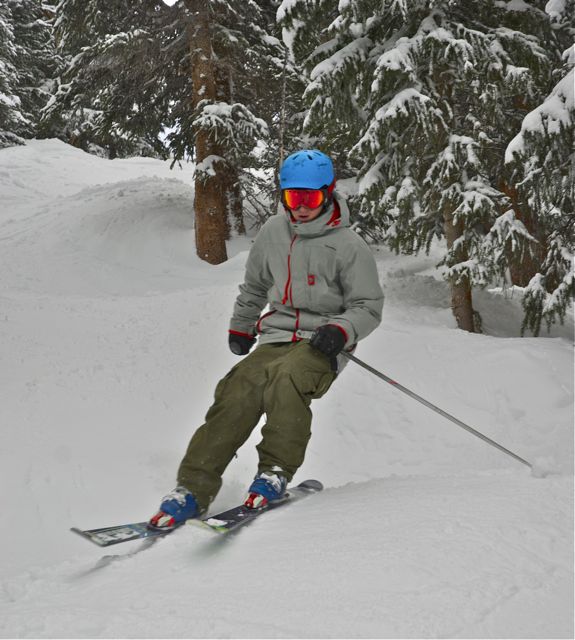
{"x":453,"y":419}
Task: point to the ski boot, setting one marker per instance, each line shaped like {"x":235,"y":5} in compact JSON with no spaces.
{"x":267,"y":487}
{"x":177,"y":507}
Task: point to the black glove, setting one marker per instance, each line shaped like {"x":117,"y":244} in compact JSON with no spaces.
{"x":240,"y":344}
{"x":328,"y":339}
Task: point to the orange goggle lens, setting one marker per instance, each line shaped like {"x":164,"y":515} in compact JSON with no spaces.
{"x":311,"y":198}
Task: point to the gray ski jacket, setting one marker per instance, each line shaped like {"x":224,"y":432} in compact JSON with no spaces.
{"x":310,"y":274}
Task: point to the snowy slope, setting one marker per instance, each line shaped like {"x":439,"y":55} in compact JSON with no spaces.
{"x":113,"y":336}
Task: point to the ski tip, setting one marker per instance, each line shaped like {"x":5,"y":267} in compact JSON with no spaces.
{"x":87,"y":536}
{"x":311,"y":485}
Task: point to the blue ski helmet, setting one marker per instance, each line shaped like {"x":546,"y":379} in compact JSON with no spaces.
{"x":307,"y":169}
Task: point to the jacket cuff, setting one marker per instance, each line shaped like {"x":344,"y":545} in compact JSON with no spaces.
{"x":346,"y":328}
{"x":342,"y":330}
{"x":241,"y":333}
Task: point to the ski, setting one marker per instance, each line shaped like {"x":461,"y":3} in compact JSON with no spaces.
{"x":233,"y":518}
{"x":223,"y":522}
{"x":107,"y":536}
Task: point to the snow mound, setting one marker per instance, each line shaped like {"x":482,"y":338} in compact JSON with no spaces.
{"x":130,"y":237}
{"x":46,"y":169}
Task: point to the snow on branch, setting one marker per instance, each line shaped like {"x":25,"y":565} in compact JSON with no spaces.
{"x":552,"y":117}
{"x":233,"y":124}
{"x":471,"y":270}
{"x":353,"y":53}
{"x":207,"y":167}
{"x":527,"y":43}
{"x":405,"y":103}
{"x":398,"y":58}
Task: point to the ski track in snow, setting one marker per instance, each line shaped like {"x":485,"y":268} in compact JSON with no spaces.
{"x":113,"y":337}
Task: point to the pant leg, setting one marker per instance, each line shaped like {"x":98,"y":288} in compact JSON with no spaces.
{"x":236,"y":410}
{"x":296,"y":378}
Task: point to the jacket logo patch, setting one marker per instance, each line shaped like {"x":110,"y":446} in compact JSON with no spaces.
{"x":311,"y":280}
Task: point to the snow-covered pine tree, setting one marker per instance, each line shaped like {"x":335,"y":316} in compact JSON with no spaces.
{"x":432,"y":91}
{"x":35,"y":57}
{"x":248,"y":58}
{"x":270,"y":85}
{"x":13,"y":123}
{"x":133,"y":75}
{"x":538,"y":176}
{"x":307,"y":32}
{"x":110,"y":94}
{"x":225,"y":43}
{"x":540,"y":167}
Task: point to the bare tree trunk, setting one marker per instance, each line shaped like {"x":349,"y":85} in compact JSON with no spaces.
{"x":461,"y":299}
{"x":210,"y":198}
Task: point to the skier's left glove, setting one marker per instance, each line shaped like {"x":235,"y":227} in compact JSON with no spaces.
{"x":329,"y":339}
{"x":240,"y":343}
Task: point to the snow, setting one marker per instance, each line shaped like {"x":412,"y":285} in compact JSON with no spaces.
{"x":399,"y":103}
{"x":398,"y":58}
{"x":518,"y":5}
{"x":10,"y":101}
{"x":113,"y":337}
{"x":556,"y":8}
{"x":354,"y":51}
{"x":207,"y":165}
{"x":285,"y":8}
{"x":549,"y":118}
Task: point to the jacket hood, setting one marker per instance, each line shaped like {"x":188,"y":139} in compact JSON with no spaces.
{"x":334,"y":217}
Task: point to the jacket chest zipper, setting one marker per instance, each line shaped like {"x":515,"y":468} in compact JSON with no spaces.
{"x":288,"y":286}
{"x":288,"y":292}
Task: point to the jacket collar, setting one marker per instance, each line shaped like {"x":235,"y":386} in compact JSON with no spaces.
{"x":335,"y":216}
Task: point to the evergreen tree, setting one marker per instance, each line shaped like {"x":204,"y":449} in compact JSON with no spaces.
{"x":540,"y":161}
{"x":111,"y":95}
{"x":13,"y":123}
{"x":133,"y":74}
{"x":275,"y":91}
{"x":35,"y":57}
{"x":246,"y":59}
{"x":427,"y":94}
{"x":539,"y":179}
{"x":227,"y":44}
{"x":329,"y":121}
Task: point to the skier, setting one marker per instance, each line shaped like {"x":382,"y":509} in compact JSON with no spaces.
{"x":320,"y":281}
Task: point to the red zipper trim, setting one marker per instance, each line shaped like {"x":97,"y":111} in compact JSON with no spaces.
{"x":287,"y":289}
{"x":259,"y":322}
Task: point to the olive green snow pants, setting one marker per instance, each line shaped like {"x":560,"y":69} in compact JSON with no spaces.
{"x":278,"y":379}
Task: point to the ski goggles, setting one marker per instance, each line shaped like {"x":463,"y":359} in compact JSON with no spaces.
{"x":310,"y":198}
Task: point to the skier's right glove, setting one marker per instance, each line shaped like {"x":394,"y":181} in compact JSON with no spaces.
{"x":240,"y":343}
